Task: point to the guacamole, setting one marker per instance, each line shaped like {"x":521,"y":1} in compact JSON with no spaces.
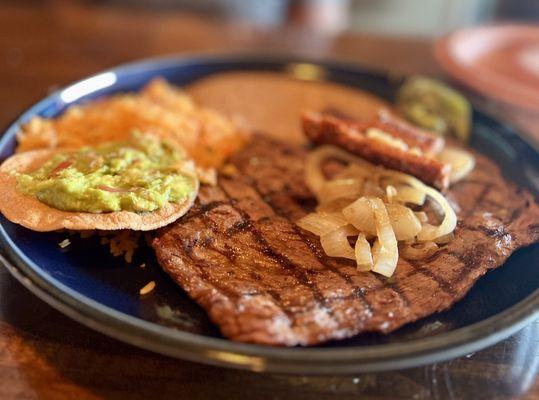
{"x":139,"y":175}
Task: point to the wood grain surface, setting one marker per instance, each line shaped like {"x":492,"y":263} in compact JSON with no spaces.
{"x":44,"y":354}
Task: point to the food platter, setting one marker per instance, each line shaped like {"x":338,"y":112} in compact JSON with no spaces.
{"x":99,"y":291}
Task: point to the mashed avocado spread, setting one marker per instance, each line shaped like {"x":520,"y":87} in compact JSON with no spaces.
{"x":139,"y":175}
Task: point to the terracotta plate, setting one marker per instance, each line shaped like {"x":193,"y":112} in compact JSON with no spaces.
{"x":500,"y":61}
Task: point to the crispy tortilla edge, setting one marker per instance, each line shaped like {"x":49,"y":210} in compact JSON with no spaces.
{"x":31,"y":213}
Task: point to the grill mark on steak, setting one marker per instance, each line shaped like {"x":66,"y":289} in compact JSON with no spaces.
{"x":255,"y":296}
{"x":240,"y":226}
{"x":468,"y":261}
{"x":330,"y":262}
{"x":419,"y":267}
{"x":319,"y":253}
{"x":229,"y":253}
{"x":324,"y":259}
{"x":283,"y":261}
{"x":203,"y":209}
{"x":517,"y":213}
{"x":395,"y":287}
{"x":311,"y":240}
{"x":496,"y":233}
{"x":321,"y":256}
{"x":200,"y":264}
{"x":486,"y":188}
{"x":244,"y":225}
{"x":316,"y":251}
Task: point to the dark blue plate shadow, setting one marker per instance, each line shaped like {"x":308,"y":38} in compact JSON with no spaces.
{"x":86,"y":283}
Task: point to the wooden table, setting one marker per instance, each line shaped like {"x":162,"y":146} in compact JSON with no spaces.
{"x":44,"y":354}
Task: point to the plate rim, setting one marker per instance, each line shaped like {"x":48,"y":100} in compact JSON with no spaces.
{"x":223,"y":352}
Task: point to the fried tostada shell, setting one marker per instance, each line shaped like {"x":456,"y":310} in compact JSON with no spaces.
{"x":31,"y":213}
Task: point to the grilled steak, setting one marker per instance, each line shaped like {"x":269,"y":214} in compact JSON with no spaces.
{"x":262,"y":279}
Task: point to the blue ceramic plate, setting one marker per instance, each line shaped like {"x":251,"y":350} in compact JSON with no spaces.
{"x":99,"y":291}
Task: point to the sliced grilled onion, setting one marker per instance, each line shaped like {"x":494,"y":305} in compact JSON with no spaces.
{"x":340,"y":189}
{"x":333,"y":207}
{"x":429,"y":232}
{"x":445,"y":239}
{"x":314,"y":173}
{"x":405,"y":224}
{"x":462,"y":162}
{"x":387,"y":254}
{"x":361,"y":216}
{"x":421,"y":216}
{"x":363,"y":254}
{"x":407,"y":194}
{"x":353,"y":170}
{"x":335,"y":243}
{"x":391,"y":192}
{"x":321,"y":224}
{"x":373,"y":189}
{"x":369,"y":202}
